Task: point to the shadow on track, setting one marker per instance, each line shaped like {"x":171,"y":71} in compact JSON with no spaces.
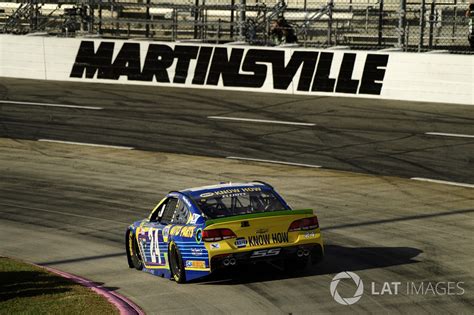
{"x":337,"y":259}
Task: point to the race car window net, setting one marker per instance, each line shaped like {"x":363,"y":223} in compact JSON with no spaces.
{"x":169,"y":209}
{"x":181,"y":214}
{"x":239,"y":203}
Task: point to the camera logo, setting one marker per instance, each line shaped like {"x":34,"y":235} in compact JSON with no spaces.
{"x":358,"y":293}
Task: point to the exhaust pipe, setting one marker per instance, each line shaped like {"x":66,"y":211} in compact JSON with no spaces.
{"x":300,"y":253}
{"x":226,"y":262}
{"x":306,"y":252}
{"x":232,"y":261}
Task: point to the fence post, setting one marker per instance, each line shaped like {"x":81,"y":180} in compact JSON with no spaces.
{"x":432,"y":15}
{"x":174,"y":26}
{"x":148,"y":18}
{"x":455,"y":17}
{"x":330,"y":6}
{"x":100,"y":17}
{"x":402,"y":24}
{"x":422,"y":25}
{"x":380,"y":35}
{"x":232,"y":3}
{"x":34,"y":23}
{"x":196,"y":18}
{"x":242,"y":20}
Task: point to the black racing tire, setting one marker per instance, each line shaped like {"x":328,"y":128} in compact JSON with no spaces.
{"x":133,"y":252}
{"x":176,"y":264}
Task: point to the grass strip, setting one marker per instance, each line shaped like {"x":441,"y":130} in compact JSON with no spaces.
{"x":28,"y":289}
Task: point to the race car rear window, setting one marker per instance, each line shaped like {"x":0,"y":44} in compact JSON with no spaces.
{"x":237,"y":202}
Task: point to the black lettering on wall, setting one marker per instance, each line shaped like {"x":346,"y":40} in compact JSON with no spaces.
{"x":158,"y":59}
{"x":127,"y":62}
{"x":92,"y":62}
{"x":283,"y":75}
{"x":250,"y":65}
{"x":275,"y":57}
{"x":228,"y":68}
{"x":309,"y":63}
{"x":202,"y":65}
{"x":345,"y":84}
{"x":374,"y":70}
{"x":322,"y":81}
{"x":184,"y":54}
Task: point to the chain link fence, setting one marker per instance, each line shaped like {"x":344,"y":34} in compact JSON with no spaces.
{"x":363,"y":24}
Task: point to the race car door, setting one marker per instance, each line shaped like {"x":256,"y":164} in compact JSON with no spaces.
{"x":157,"y":246}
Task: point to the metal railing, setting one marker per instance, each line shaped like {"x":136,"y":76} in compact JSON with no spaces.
{"x":364,"y":24}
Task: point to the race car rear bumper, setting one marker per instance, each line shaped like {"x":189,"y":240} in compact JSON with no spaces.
{"x":314,"y":252}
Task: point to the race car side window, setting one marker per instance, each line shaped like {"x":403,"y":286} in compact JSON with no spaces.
{"x":168,"y":211}
{"x":182,"y":213}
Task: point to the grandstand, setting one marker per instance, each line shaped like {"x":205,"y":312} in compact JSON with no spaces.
{"x":363,"y":24}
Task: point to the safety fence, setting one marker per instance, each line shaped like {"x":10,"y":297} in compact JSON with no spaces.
{"x":362,"y":24}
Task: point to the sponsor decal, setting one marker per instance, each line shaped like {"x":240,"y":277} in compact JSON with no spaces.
{"x":199,"y":236}
{"x":234,"y":67}
{"x":175,"y":230}
{"x":194,"y":218}
{"x":183,"y":231}
{"x":198,"y":264}
{"x":261,"y":231}
{"x":206,"y":195}
{"x":197,"y":251}
{"x":240,"y":242}
{"x":265,"y":252}
{"x":266,"y":239}
{"x":166,"y":231}
{"x":232,"y":192}
{"x":188,"y":231}
{"x":215,"y":246}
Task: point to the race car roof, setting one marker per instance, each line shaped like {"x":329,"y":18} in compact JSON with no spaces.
{"x":197,"y":192}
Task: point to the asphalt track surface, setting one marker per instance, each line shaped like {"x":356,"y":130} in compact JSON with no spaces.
{"x":360,"y":135}
{"x":67,"y":206}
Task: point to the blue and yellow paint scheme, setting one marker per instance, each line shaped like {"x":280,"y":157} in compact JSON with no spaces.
{"x":273,"y":235}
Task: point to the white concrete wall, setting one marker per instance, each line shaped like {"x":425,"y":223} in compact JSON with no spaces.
{"x":441,"y":78}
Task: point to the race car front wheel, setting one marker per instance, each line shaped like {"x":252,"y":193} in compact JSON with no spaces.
{"x":133,"y":252}
{"x":176,"y":264}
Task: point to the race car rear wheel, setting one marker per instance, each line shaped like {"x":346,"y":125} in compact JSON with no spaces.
{"x":176,"y":264}
{"x":134,"y":252}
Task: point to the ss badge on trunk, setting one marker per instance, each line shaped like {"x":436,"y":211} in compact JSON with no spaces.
{"x":265,"y":252}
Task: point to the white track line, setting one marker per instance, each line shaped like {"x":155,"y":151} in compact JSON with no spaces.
{"x":293,"y":123}
{"x":51,"y":105}
{"x":88,"y":144}
{"x":442,"y":182}
{"x":271,"y":161}
{"x":458,"y":135}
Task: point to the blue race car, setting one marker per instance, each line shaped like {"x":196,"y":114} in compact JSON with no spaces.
{"x":192,"y":232}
